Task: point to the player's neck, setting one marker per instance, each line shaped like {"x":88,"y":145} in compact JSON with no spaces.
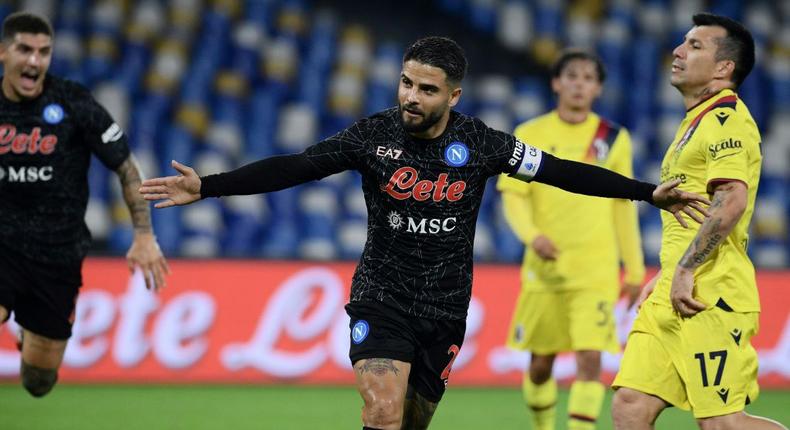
{"x":572,"y":116}
{"x":694,"y":96}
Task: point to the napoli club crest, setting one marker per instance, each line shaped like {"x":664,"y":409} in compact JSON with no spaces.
{"x":53,"y":113}
{"x":456,"y":154}
{"x":360,"y":331}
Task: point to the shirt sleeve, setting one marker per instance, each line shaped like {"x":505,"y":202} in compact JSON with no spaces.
{"x":99,"y":131}
{"x":505,"y":154}
{"x":340,"y":152}
{"x":728,"y":152}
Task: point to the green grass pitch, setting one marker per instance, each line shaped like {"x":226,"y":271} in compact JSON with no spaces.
{"x":196,"y":407}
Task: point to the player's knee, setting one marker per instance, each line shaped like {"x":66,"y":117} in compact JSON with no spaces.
{"x":540,"y":367}
{"x":38,"y":381}
{"x":588,"y":365}
{"x":383,"y":412}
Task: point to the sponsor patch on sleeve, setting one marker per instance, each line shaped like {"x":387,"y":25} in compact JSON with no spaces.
{"x":527,"y":158}
{"x":725,"y":148}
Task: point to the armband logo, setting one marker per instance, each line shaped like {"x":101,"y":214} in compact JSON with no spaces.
{"x":112,"y":133}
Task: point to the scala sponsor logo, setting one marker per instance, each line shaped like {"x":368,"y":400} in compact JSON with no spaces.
{"x":26,"y":173}
{"x":405,"y":184}
{"x":715,"y":149}
{"x":21,"y":143}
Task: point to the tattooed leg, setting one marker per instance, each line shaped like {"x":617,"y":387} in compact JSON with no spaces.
{"x":382,"y":384}
{"x":417,"y":412}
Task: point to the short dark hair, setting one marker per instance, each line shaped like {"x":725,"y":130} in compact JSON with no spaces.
{"x":441,"y":52}
{"x":26,"y":22}
{"x":737,"y":46}
{"x":569,"y":55}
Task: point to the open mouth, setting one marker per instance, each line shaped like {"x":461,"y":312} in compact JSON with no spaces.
{"x":676,"y":68}
{"x":29,"y":79}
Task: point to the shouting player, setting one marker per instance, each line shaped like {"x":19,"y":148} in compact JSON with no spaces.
{"x":424,"y":168}
{"x":49,"y":127}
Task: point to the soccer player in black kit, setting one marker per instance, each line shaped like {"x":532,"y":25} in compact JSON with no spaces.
{"x":49,"y":127}
{"x":424,"y":168}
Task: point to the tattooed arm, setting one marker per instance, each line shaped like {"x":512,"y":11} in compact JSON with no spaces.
{"x":144,"y":252}
{"x":727,"y":206}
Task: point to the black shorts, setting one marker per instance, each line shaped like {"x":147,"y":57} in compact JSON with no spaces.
{"x":431,"y":346}
{"x":41,"y":295}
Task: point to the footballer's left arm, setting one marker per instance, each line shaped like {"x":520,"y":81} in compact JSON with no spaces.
{"x":727,"y":206}
{"x":144,"y":252}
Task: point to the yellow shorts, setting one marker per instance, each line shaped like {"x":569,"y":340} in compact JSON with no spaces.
{"x":552,"y":322}
{"x":705,"y":363}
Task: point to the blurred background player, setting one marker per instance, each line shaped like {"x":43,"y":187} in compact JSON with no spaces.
{"x":571,"y":272}
{"x":49,"y":127}
{"x":690,"y":345}
{"x":424,"y":169}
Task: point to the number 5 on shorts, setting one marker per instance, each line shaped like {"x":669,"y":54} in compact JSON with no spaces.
{"x":713,"y":355}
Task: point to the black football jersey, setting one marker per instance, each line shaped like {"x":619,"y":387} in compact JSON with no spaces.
{"x":423,"y":198}
{"x":45,"y":149}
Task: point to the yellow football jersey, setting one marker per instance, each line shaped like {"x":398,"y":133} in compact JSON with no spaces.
{"x":717,"y":140}
{"x":591,"y":234}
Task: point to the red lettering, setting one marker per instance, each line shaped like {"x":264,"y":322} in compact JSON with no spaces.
{"x":403,"y":178}
{"x":406,"y":177}
{"x":48,"y":143}
{"x":35,"y":135}
{"x":455,"y":191}
{"x":20,"y":143}
{"x":441,"y":184}
{"x":422,"y":191}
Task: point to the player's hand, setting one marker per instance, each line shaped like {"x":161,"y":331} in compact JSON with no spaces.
{"x":668,"y":197}
{"x":145,"y":254}
{"x":174,"y":190}
{"x":631,"y":292}
{"x":682,"y":292}
{"x":544,"y":247}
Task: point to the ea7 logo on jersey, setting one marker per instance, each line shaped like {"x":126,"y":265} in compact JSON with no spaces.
{"x":404,"y":185}
{"x":383,"y":151}
{"x":112,"y":133}
{"x":21,"y":143}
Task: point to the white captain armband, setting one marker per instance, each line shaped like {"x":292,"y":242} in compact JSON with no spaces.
{"x":526,"y":159}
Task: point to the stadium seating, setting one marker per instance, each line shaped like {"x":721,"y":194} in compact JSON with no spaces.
{"x":216,"y":84}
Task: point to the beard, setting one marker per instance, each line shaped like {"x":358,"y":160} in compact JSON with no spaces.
{"x":428,"y":121}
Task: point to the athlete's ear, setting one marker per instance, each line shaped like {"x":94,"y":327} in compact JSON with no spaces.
{"x":455,"y":97}
{"x":724,"y":69}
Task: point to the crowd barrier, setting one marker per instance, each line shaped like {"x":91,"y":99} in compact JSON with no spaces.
{"x":231,"y":321}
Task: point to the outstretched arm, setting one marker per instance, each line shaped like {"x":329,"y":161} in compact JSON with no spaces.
{"x":729,"y":203}
{"x":587,"y":179}
{"x":263,"y":176}
{"x":144,"y":252}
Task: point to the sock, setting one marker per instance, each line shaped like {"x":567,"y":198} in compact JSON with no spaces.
{"x":541,"y":400}
{"x":584,"y":404}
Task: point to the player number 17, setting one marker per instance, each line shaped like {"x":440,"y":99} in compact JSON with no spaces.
{"x":713,"y":355}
